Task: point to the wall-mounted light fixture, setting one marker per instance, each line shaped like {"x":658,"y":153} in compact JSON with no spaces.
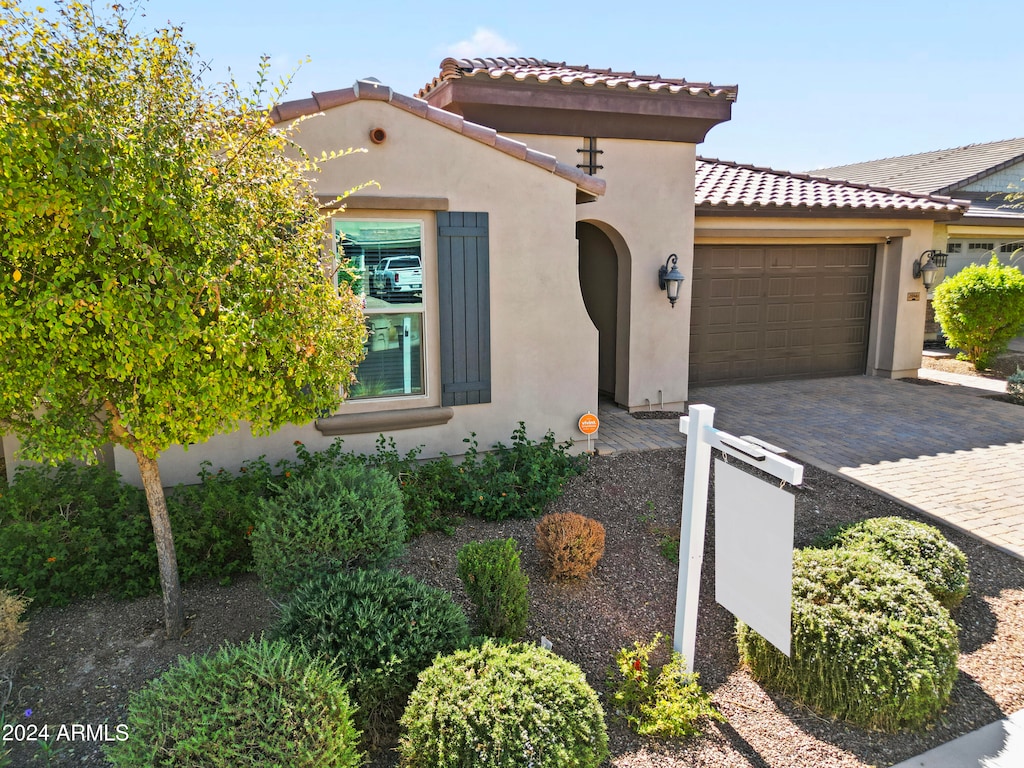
{"x":670,"y":279}
{"x":927,"y":267}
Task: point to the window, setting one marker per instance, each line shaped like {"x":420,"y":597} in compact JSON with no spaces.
{"x":383,"y":261}
{"x":981,"y":246}
{"x":954,"y":247}
{"x":1010,"y":247}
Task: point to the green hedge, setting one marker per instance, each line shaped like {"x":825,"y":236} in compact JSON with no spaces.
{"x":870,"y":645}
{"x":503,"y":706}
{"x":981,"y":308}
{"x":379,"y":629}
{"x":333,"y":518}
{"x":916,"y":547}
{"x":260,"y":704}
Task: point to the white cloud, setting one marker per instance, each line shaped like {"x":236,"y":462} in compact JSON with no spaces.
{"x":484,"y":42}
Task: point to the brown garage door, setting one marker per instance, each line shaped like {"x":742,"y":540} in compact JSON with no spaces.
{"x":779,"y":312}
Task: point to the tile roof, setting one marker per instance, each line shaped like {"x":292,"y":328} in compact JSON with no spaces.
{"x":986,"y":205}
{"x":543,"y":71}
{"x":941,"y":171}
{"x":371,"y":90}
{"x":725,"y":186}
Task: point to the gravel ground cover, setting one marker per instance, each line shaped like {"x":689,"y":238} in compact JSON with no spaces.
{"x":79,"y":663}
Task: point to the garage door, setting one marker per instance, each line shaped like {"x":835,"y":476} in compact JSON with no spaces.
{"x":779,"y":312}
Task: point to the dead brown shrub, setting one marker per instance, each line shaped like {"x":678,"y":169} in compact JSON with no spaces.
{"x":11,"y":626}
{"x":570,"y":544}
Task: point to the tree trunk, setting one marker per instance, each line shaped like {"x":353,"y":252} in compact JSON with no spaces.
{"x":174,"y":615}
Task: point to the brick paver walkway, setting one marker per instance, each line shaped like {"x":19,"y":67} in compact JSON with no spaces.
{"x":951,"y":454}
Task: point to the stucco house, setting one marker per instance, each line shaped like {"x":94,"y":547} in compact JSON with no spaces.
{"x":525,"y":210}
{"x":987,"y":175}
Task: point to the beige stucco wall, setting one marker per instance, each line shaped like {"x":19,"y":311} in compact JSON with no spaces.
{"x":898,"y":300}
{"x":543,"y":344}
{"x":647,"y":211}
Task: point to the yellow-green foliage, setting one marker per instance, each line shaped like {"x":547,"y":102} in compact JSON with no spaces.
{"x":981,"y":308}
{"x":669,"y":706}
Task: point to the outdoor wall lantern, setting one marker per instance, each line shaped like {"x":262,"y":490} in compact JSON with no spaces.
{"x":927,"y":267}
{"x":670,"y":279}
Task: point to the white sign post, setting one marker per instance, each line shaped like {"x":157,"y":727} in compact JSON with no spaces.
{"x":701,"y":437}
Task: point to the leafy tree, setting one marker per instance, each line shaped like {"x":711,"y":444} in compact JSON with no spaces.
{"x":159,"y":254}
{"x":981,"y":308}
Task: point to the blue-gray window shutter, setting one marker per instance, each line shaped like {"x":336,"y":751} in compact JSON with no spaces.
{"x":464,"y":301}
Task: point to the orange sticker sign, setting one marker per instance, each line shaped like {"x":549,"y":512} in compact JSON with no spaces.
{"x":589,"y":424}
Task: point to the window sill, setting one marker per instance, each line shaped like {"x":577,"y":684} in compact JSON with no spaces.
{"x":383,"y":421}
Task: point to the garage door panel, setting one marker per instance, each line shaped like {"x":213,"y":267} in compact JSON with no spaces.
{"x":780,"y":312}
{"x":780,"y":286}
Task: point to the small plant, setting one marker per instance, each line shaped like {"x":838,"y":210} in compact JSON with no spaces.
{"x":503,"y":706}
{"x":494,"y":582}
{"x":570,"y":544}
{"x":916,"y":547}
{"x":668,"y":546}
{"x":379,"y":629}
{"x":517,"y":480}
{"x":981,"y":308}
{"x":334,"y":518}
{"x":259,"y":703}
{"x":870,"y":645}
{"x":1015,"y":386}
{"x":669,"y":707}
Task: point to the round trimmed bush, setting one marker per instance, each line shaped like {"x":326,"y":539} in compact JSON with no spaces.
{"x":918,"y":548}
{"x":333,"y":518}
{"x":380,"y":629}
{"x":503,"y":706}
{"x":258,"y":703}
{"x":870,"y":645}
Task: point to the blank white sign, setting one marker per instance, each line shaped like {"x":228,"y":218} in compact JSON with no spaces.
{"x":754,"y":552}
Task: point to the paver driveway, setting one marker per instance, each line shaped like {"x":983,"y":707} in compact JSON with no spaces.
{"x":952,"y":455}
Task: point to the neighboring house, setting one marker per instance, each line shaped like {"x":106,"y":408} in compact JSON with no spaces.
{"x":796,"y":275}
{"x":539,"y":201}
{"x":987,"y":175}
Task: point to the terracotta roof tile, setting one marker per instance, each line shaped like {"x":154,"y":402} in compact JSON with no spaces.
{"x":943,"y":170}
{"x":722,"y":185}
{"x":544,"y":71}
{"x":372,"y":90}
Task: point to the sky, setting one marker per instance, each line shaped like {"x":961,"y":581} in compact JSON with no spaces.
{"x":820,"y":83}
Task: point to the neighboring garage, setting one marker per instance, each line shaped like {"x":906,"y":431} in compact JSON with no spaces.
{"x":795,"y":276}
{"x":761,"y":313}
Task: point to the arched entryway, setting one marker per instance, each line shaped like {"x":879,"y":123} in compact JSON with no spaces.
{"x":604,"y":283}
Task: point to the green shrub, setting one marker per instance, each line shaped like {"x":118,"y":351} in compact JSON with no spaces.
{"x":431,"y":490}
{"x":496,"y":585}
{"x":72,"y":531}
{"x":981,"y":308}
{"x":916,"y":547}
{"x":1015,"y":386}
{"x":517,"y":480}
{"x":671,"y":706}
{"x":380,"y":629}
{"x":213,"y":519}
{"x":336,"y":517}
{"x":260,"y":703}
{"x":870,"y":645}
{"x":503,"y":706}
